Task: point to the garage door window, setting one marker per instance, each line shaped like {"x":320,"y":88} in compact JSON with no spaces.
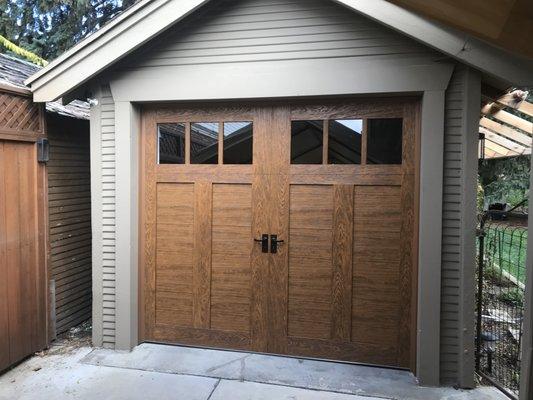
{"x":307,"y":141}
{"x":171,"y":143}
{"x":238,"y":142}
{"x":345,"y":140}
{"x":204,"y":143}
{"x":385,"y":138}
{"x":350,"y":141}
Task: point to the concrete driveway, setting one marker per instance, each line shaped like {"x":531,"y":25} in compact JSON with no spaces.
{"x":168,"y":372}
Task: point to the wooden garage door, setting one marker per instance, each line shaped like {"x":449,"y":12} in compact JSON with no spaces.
{"x":334,"y":183}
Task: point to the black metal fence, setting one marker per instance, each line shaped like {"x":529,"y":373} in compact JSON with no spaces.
{"x":500,"y":301}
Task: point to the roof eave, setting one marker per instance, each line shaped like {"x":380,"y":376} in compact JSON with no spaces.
{"x":126,"y":33}
{"x":486,"y":58}
{"x":102,"y":49}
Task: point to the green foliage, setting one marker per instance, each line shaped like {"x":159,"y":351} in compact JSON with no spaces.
{"x":19,"y":51}
{"x":505,"y":180}
{"x":50,"y":27}
{"x":512,"y":297}
{"x":480,"y":197}
{"x":506,"y":250}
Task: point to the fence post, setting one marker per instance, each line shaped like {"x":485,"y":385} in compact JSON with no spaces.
{"x":526,"y":381}
{"x":481,"y":261}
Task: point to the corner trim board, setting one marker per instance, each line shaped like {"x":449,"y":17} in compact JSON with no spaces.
{"x":430,"y":238}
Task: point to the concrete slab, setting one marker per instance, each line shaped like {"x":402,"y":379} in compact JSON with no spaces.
{"x":258,"y":391}
{"x":288,"y":372}
{"x":62,"y":376}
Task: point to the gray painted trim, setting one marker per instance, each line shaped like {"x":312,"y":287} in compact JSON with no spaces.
{"x":96,"y":219}
{"x":293,"y":78}
{"x":526,"y":378}
{"x":469,"y":50}
{"x":151,"y":17}
{"x":127,"y":125}
{"x":468,"y":229}
{"x":430,"y":238}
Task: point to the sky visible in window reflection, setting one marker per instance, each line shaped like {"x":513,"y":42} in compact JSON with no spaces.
{"x":353,"y":124}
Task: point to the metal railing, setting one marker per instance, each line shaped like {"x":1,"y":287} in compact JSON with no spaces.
{"x":502,"y":248}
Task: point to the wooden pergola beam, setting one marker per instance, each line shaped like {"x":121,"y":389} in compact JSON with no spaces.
{"x":503,"y":141}
{"x":506,"y":131}
{"x":502,"y":151}
{"x":493,"y":106}
{"x":510,"y":119}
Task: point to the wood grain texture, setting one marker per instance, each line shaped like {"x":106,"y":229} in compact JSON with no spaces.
{"x":23,"y":314}
{"x":343,"y":217}
{"x":278,"y":213}
{"x":376,"y":269}
{"x":232,"y":244}
{"x":148,"y":218}
{"x":20,"y":116}
{"x":4,"y":306}
{"x":175,"y":259}
{"x":310,"y":261}
{"x":341,"y":285}
{"x":261,"y":224}
{"x":202,"y":218}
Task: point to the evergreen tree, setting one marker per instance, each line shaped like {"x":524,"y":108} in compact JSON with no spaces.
{"x":50,"y":27}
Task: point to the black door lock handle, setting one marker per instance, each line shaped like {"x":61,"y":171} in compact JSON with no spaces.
{"x":274,"y":242}
{"x":264,"y":243}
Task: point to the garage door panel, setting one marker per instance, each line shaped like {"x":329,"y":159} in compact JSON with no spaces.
{"x":376,"y":331}
{"x":311,"y":207}
{"x":232,"y":205}
{"x":235,"y":240}
{"x":170,"y":260}
{"x":310,"y":243}
{"x":172,"y":312}
{"x":231,"y":293}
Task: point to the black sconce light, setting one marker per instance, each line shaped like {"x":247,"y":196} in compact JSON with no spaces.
{"x":43,"y":150}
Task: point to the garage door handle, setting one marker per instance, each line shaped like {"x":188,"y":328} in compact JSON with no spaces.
{"x":264,"y":243}
{"x":274,"y":242}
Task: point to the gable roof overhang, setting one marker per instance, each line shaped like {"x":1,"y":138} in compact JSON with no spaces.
{"x":148,"y":18}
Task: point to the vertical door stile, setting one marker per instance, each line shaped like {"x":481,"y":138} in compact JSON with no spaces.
{"x":150,"y":222}
{"x":280,"y":136}
{"x":260,"y":225}
{"x":407,"y":261}
{"x":343,"y":200}
{"x":203,"y":212}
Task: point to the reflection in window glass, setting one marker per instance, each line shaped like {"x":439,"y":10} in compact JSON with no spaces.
{"x":238,"y":142}
{"x":171,"y":143}
{"x":384,"y":144}
{"x":204,"y":143}
{"x":344,"y":143}
{"x":307,"y":139}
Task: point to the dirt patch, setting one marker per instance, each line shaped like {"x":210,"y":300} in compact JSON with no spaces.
{"x":76,"y":338}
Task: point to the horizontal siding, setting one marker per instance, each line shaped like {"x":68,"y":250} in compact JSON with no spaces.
{"x":108,"y":217}
{"x":69,"y":195}
{"x":451,"y":228}
{"x":238,"y":31}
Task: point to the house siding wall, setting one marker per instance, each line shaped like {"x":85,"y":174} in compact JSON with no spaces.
{"x":243,"y":31}
{"x":108,"y":204}
{"x":458,"y":228}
